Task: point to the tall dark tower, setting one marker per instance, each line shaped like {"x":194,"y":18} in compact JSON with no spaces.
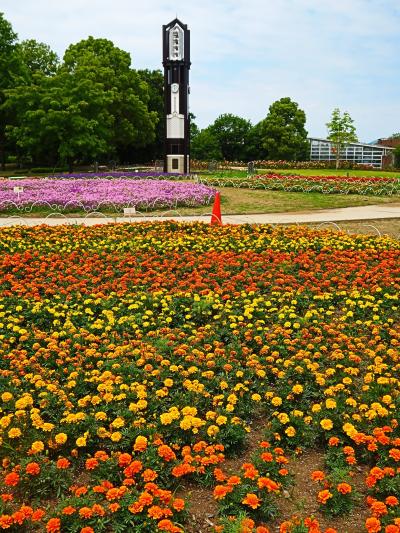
{"x":176,"y":62}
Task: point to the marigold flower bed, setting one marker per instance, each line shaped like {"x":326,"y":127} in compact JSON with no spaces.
{"x":133,"y":357}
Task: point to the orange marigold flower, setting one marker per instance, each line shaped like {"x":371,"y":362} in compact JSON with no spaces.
{"x":262,"y":529}
{"x":267,"y":483}
{"x":68,"y":510}
{"x":53,"y":525}
{"x":166,"y":453}
{"x":85,"y":512}
{"x":124,"y":459}
{"x":87,"y":529}
{"x":113,"y":507}
{"x":140,"y":444}
{"x":219,"y":475}
{"x":348,"y":450}
{"x":378,"y":509}
{"x":155,"y":512}
{"x":149,"y":475}
{"x":178,"y":504}
{"x":333,"y":441}
{"x":317,"y":475}
{"x":392,"y":501}
{"x":11,"y":479}
{"x":134,"y":468}
{"x":234,"y":480}
{"x":38,"y":515}
{"x":252,"y":500}
{"x":32,"y":468}
{"x":167,"y":525}
{"x":18,"y":517}
{"x":394,"y":453}
{"x":91,"y":463}
{"x":392,"y":528}
{"x":267,"y":457}
{"x":98,"y":509}
{"x":373,"y":525}
{"x":6,"y":521}
{"x":80,"y":491}
{"x":344,"y":488}
{"x":63,"y":463}
{"x":324,"y":496}
{"x":220,"y":491}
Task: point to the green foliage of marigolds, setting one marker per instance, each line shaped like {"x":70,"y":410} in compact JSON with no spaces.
{"x":283,"y":131}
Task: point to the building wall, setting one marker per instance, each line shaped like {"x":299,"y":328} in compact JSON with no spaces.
{"x":324,"y":150}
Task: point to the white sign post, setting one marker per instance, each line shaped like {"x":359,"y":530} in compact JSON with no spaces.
{"x":18,"y":191}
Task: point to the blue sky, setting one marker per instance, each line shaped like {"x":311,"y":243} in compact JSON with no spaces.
{"x":248,"y":53}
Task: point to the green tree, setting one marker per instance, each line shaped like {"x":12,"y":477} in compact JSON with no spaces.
{"x":232,"y":133}
{"x":283,"y":131}
{"x":11,"y":73}
{"x":397,"y":157}
{"x":255,"y":148}
{"x":155,"y":84}
{"x":99,"y":60}
{"x":38,"y":57}
{"x":94,"y":107}
{"x":341,"y":131}
{"x":193,"y":127}
{"x":205,"y":146}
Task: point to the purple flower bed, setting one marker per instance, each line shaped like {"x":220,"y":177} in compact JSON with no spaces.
{"x":135,"y":175}
{"x":64,"y":194}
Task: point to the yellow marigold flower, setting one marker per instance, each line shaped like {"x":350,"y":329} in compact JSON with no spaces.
{"x":276,"y":401}
{"x":221,"y":420}
{"x":168,"y":382}
{"x":316,"y":408}
{"x":6,"y":396}
{"x":255,"y":397}
{"x":81,"y":442}
{"x":37,"y":446}
{"x":283,"y":418}
{"x":212,"y":431}
{"x":330,"y":403}
{"x":118,"y":422}
{"x":116,"y":436}
{"x":100,"y":415}
{"x":5,"y":421}
{"x":297,"y":389}
{"x":290,"y":431}
{"x":61,"y":438}
{"x":14,"y":433}
{"x":326,"y":423}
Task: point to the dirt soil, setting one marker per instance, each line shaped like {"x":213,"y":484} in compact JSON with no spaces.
{"x":300,"y":499}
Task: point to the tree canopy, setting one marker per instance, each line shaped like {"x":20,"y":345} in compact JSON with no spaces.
{"x":231,"y":133}
{"x":93,"y":106}
{"x":341,"y":131}
{"x":283,"y":131}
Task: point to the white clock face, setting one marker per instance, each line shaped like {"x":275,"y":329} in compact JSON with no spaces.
{"x":174,"y":87}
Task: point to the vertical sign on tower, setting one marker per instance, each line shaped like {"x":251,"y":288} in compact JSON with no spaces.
{"x":176,"y":62}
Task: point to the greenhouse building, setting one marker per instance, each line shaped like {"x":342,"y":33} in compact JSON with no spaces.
{"x":375,"y":155}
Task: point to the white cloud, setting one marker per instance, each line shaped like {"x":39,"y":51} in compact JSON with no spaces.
{"x":248,"y":53}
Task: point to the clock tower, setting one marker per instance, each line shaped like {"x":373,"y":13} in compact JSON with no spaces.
{"x":176,"y":62}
